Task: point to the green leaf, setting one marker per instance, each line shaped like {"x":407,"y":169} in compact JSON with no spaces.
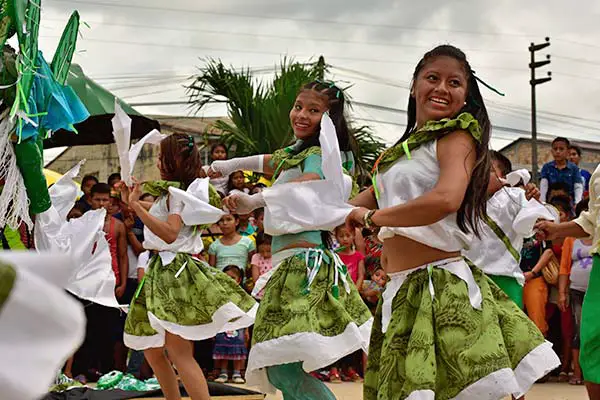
{"x":259,"y":110}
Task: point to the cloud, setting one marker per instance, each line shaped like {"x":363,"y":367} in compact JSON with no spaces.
{"x":380,"y":38}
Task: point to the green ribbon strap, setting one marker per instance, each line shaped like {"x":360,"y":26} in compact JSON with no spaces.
{"x":284,"y":159}
{"x":503,"y":237}
{"x":432,"y":130}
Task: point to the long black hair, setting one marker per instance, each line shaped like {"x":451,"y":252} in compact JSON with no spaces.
{"x":336,"y":102}
{"x":473,"y":207}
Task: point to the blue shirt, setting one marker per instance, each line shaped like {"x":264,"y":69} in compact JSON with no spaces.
{"x":569,"y":175}
{"x":586,"y":177}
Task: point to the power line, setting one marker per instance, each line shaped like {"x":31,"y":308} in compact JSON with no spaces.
{"x":578,"y":60}
{"x":368,"y":60}
{"x":289,"y":19}
{"x":303,"y":38}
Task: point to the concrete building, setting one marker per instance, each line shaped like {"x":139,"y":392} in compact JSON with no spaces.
{"x":102,"y":160}
{"x":519,"y":153}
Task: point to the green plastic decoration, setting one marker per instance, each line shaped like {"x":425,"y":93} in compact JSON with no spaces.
{"x":61,"y":62}
{"x":30,"y":160}
{"x":28,"y":44}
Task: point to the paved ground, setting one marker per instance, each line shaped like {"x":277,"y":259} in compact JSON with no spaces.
{"x":545,"y":391}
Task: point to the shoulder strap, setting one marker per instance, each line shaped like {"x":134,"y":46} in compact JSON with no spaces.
{"x":503,"y":237}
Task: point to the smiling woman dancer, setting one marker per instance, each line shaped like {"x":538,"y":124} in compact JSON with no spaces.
{"x":443,"y":330}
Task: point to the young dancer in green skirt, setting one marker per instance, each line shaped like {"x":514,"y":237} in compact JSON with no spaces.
{"x":180,"y":298}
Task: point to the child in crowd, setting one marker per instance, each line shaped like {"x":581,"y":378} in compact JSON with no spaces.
{"x":237,"y":183}
{"x":113,"y":179}
{"x":354,"y":260}
{"x":231,"y":345}
{"x":261,"y":261}
{"x":218,"y":151}
{"x":245,"y":227}
{"x":259,"y":218}
{"x":232,"y":248}
{"x":561,"y":170}
{"x":372,"y":289}
{"x":575,"y":268}
{"x":85,"y":203}
{"x":558,"y":189}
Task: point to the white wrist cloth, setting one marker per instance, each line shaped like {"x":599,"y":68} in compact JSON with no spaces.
{"x":247,"y":203}
{"x":251,"y":163}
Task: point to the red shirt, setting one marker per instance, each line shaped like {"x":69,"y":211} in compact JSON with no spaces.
{"x":351,"y":261}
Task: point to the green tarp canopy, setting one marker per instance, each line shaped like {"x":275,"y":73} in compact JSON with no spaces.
{"x":100,"y":103}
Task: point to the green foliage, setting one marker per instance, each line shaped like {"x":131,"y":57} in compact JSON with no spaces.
{"x":259,"y":110}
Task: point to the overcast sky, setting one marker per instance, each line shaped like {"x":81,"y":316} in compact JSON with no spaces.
{"x":143,"y":50}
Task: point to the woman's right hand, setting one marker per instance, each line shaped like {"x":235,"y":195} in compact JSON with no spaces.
{"x":242,"y":203}
{"x":212,"y":174}
{"x":546,"y":230}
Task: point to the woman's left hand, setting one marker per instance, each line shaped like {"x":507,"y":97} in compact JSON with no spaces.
{"x":136,"y":193}
{"x":356,"y":218}
{"x":123,"y":189}
{"x":532,"y":192}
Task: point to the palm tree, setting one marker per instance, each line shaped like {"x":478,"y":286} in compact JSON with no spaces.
{"x":259,"y":110}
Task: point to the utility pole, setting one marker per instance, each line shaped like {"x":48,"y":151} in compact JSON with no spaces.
{"x":321,"y":67}
{"x":534,"y":82}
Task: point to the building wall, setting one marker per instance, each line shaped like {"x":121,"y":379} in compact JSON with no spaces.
{"x":519,"y":153}
{"x":102,"y":160}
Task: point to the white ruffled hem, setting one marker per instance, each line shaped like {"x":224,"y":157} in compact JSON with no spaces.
{"x":143,"y":342}
{"x":312,"y":349}
{"x":220,"y":323}
{"x":505,"y":382}
{"x":535,"y":365}
{"x":243,"y":322}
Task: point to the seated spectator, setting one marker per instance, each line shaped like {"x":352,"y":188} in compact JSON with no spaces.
{"x":561,"y":170}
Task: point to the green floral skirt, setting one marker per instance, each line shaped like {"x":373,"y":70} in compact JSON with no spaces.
{"x":312,"y":315}
{"x":186,"y":298}
{"x":435,"y":344}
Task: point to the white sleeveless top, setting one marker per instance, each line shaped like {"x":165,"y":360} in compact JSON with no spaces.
{"x":408,"y":179}
{"x":187,"y":240}
{"x":193,"y":207}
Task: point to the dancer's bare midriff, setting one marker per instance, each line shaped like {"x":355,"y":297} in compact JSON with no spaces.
{"x":299,"y":245}
{"x":401,"y":253}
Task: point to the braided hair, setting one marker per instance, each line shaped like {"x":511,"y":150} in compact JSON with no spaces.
{"x":336,"y":102}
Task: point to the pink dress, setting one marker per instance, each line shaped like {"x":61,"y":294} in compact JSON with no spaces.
{"x":264,"y":265}
{"x":351,"y":261}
